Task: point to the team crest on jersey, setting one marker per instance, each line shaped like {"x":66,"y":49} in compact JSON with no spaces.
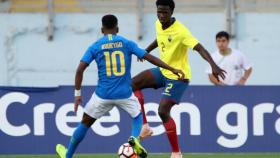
{"x":169,"y":38}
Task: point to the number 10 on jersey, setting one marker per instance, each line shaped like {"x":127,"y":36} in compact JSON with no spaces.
{"x":112,"y":67}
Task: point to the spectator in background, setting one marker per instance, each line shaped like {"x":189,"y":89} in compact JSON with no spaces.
{"x":233,"y":61}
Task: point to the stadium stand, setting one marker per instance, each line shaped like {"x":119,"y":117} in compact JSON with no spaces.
{"x":28,"y":6}
{"x":42,"y":5}
{"x":139,"y":16}
{"x":129,"y":5}
{"x":67,"y":6}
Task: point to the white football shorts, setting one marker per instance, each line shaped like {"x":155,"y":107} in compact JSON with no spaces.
{"x":96,"y":107}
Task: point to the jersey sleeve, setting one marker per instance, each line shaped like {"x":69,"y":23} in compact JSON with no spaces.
{"x":134,"y":49}
{"x":188,"y":39}
{"x":89,"y":55}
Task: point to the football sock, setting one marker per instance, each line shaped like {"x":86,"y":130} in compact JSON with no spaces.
{"x":140,"y":97}
{"x":170,"y":128}
{"x":137,"y":125}
{"x":77,"y":137}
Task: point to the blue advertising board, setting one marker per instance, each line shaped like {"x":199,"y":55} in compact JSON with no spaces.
{"x":209,"y":119}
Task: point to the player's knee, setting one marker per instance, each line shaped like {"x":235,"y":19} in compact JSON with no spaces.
{"x":161,"y":114}
{"x":87,"y":120}
{"x":134,"y":86}
{"x":87,"y":123}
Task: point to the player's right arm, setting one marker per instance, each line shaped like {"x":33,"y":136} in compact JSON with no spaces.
{"x":143,"y":54}
{"x":78,"y":83}
{"x":152,"y":46}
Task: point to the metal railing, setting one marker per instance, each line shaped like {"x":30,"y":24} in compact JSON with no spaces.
{"x":50,"y":20}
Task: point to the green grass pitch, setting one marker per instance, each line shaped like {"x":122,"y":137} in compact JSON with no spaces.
{"x":189,"y":155}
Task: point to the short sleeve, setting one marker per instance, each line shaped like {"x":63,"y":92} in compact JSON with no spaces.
{"x":245,"y":62}
{"x":139,"y":52}
{"x":189,"y":40}
{"x":89,"y":55}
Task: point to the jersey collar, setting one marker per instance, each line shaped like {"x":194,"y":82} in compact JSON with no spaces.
{"x":172,"y":25}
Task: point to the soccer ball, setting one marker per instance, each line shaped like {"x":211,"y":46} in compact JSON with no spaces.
{"x":126,"y":151}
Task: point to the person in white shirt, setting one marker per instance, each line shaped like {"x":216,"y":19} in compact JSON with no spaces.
{"x":233,"y":61}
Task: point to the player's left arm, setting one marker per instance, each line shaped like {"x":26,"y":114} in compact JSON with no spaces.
{"x":88,"y":57}
{"x":216,"y":70}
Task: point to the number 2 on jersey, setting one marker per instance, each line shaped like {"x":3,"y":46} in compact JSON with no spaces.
{"x":113,"y":57}
{"x":162,"y":47}
{"x":168,"y":87}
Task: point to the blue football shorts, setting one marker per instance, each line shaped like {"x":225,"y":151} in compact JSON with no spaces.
{"x":173,"y":89}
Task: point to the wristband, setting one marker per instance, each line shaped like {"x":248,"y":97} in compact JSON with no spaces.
{"x":77,"y":93}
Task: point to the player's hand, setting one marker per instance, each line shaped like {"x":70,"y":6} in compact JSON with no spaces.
{"x":140,"y":60}
{"x":179,"y":73}
{"x":77,"y":102}
{"x":218,"y":72}
{"x":221,"y":84}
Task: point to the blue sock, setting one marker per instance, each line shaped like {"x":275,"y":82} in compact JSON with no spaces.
{"x":77,"y":137}
{"x":137,"y":125}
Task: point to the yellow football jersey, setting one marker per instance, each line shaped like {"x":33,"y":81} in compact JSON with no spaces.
{"x":173,"y":44}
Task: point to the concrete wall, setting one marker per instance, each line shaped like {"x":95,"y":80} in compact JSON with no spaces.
{"x":28,"y":59}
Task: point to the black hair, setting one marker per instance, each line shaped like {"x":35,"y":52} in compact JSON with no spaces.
{"x":109,"y":21}
{"x":223,"y":34}
{"x":169,"y":3}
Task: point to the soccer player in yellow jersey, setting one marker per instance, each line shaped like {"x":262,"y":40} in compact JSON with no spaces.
{"x":173,"y":40}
